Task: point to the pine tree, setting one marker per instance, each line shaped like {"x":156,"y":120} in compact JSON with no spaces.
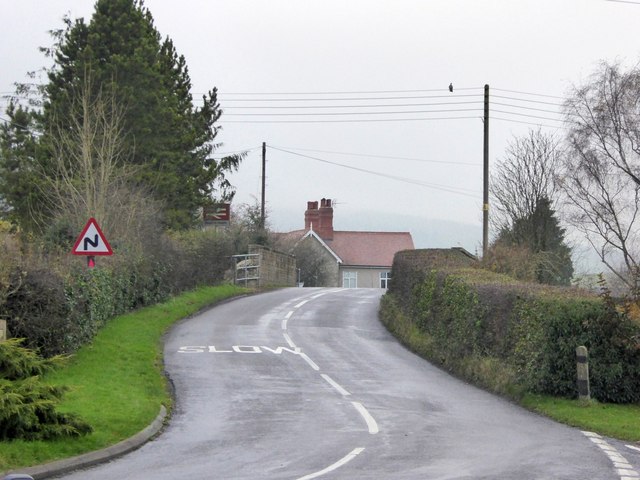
{"x":18,"y":166}
{"x":541,"y":234}
{"x":171,"y":140}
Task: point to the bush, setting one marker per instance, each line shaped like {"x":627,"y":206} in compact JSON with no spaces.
{"x":28,"y":406}
{"x":58,"y":304}
{"x":514,"y":337}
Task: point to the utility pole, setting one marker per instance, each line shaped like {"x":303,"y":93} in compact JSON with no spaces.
{"x":264,"y":168}
{"x":485,"y":196}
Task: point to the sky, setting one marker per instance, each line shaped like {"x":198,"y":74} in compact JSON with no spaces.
{"x":352,"y":99}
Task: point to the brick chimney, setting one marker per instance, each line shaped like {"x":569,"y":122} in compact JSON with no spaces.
{"x":320,"y":219}
{"x":312,"y":217}
{"x":325,"y":229}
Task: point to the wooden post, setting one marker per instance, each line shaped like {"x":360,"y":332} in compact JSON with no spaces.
{"x":485,"y":180}
{"x":3,"y":330}
{"x":582,"y":358}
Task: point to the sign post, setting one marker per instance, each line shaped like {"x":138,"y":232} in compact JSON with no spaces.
{"x":91,"y":242}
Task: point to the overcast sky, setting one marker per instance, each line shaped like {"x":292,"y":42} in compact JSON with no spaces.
{"x":391,"y":56}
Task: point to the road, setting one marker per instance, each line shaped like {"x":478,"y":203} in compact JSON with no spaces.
{"x":306,"y":383}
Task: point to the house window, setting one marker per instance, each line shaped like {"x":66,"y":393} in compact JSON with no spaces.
{"x":349,"y":279}
{"x":385,"y":277}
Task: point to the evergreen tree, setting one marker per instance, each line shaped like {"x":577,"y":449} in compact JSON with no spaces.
{"x":171,"y":140}
{"x":542,"y":235}
{"x":18,"y":166}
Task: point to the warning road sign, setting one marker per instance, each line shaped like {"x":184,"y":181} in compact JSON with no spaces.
{"x":92,"y":241}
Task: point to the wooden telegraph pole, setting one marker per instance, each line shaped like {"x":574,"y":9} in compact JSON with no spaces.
{"x":264,"y":168}
{"x":485,"y":196}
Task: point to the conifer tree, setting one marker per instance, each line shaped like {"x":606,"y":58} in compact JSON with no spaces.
{"x":171,"y":140}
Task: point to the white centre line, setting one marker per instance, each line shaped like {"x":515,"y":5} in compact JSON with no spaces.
{"x":343,"y":461}
{"x":286,"y":319}
{"x":289,"y":341}
{"x":309,"y":361}
{"x":301,"y":304}
{"x":335,"y":385}
{"x":371,"y":422}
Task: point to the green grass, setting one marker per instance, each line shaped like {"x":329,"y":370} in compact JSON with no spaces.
{"x":117,"y":382}
{"x":612,"y":420}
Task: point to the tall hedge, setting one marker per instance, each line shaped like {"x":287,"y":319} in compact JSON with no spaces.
{"x":58,"y":304}
{"x":479,"y":324}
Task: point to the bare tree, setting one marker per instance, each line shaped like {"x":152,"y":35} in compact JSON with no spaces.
{"x":524,"y":177}
{"x":601,"y":174}
{"x":530,"y":244}
{"x":90,"y":174}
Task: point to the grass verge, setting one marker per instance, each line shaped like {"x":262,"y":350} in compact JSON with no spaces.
{"x":612,"y":420}
{"x":116,"y":383}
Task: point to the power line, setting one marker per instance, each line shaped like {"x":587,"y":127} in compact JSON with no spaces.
{"x":379,"y":156}
{"x":538,"y":124}
{"x":526,"y":115}
{"x":526,"y":108}
{"x":363,"y":120}
{"x":526,"y":100}
{"x":378,"y":105}
{"x":444,"y":188}
{"x":360,"y":92}
{"x":527,"y":93}
{"x":320,"y":114}
{"x":624,"y":1}
{"x":333,"y":99}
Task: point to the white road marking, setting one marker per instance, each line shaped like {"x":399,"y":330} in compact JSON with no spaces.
{"x":301,"y":304}
{"x":309,"y":361}
{"x":623,"y":468}
{"x":371,"y":422}
{"x":343,"y":461}
{"x":289,"y":341}
{"x":286,"y":319}
{"x":335,"y":385}
{"x":318,"y":295}
{"x":633,"y":448}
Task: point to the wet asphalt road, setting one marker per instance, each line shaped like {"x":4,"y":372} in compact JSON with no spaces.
{"x":306,"y":383}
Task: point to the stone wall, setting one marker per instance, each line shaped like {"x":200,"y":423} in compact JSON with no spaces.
{"x":277,"y":269}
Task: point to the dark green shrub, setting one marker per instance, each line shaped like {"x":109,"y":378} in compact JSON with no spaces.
{"x":39,"y":312}
{"x":475,"y":320}
{"x":27,"y":405}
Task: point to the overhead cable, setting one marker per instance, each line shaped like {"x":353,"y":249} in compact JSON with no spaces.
{"x":444,"y":188}
{"x":394,"y":157}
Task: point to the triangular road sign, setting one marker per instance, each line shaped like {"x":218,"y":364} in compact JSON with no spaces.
{"x":92,"y":241}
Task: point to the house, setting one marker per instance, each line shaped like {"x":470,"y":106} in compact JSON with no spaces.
{"x":346,"y":258}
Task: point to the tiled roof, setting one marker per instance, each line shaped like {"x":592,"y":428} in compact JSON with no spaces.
{"x":369,"y":249}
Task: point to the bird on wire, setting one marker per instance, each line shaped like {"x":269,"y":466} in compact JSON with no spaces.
{"x":451,"y":87}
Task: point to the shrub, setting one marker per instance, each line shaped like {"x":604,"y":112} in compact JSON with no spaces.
{"x":512,"y":336}
{"x":57,"y":304}
{"x":28,"y":406}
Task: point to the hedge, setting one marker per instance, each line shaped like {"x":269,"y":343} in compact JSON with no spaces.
{"x":57,"y":304}
{"x":509,"y":336}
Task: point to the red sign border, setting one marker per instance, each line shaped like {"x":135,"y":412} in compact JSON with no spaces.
{"x":102,"y":237}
